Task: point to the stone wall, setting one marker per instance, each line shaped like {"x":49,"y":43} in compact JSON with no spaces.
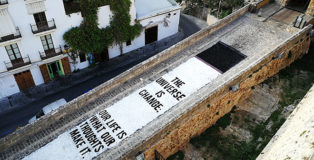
{"x":310,"y":8}
{"x":174,"y":136}
{"x":262,"y":3}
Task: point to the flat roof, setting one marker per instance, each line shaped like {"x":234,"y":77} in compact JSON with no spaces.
{"x":147,"y":8}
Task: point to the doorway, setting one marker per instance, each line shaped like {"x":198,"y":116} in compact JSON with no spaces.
{"x":14,"y":54}
{"x":298,"y":5}
{"x":24,"y":80}
{"x":103,"y":56}
{"x":47,"y":43}
{"x":41,"y":20}
{"x":151,"y":35}
{"x":55,"y":69}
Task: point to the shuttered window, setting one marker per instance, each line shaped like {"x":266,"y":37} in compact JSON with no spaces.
{"x":13,"y":52}
{"x":47,"y":42}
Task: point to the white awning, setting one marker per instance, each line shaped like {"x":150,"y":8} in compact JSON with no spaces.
{"x":7,"y":26}
{"x":35,"y":7}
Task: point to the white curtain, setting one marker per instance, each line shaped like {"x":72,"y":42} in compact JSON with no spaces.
{"x":36,"y":7}
{"x":6,"y":24}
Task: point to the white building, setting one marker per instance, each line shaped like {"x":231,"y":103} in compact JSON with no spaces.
{"x":31,"y":42}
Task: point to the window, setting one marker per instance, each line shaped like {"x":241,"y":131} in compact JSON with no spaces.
{"x":40,"y":19}
{"x":47,"y":42}
{"x":13,"y":52}
{"x":128,"y":42}
{"x":82,"y":57}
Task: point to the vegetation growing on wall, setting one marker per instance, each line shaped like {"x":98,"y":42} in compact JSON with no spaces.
{"x":218,"y":8}
{"x":294,"y":82}
{"x":90,"y":38}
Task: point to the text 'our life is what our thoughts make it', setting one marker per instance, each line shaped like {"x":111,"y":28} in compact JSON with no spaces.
{"x":92,"y":129}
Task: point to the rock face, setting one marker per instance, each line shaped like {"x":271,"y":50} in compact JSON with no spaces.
{"x":261,"y":104}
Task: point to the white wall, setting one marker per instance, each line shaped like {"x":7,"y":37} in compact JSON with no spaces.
{"x":133,"y":12}
{"x":36,"y":73}
{"x":138,"y":42}
{"x":4,"y":58}
{"x":163,"y":32}
{"x":104,"y":16}
{"x":8,"y":86}
{"x":79,"y":65}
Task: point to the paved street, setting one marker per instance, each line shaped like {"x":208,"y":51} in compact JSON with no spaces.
{"x":17,"y":117}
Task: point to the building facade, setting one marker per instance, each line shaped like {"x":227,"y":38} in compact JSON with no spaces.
{"x":32,"y":45}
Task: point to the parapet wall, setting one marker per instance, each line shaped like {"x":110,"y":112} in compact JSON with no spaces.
{"x":204,"y":114}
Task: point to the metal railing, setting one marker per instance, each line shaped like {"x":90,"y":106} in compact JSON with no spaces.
{"x":13,"y":65}
{"x":16,"y":35}
{"x":3,"y":2}
{"x":43,"y":26}
{"x":52,"y":53}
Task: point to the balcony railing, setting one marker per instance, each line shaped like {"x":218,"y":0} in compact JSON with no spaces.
{"x":3,"y":2}
{"x":43,"y":26}
{"x":52,"y":53}
{"x":11,"y":36}
{"x":22,"y":62}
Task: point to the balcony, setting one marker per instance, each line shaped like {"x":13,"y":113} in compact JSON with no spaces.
{"x":51,"y":53}
{"x":43,"y":26}
{"x":3,"y":2}
{"x":11,"y":36}
{"x":17,"y":63}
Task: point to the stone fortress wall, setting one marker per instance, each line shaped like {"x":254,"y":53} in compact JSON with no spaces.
{"x":174,"y":135}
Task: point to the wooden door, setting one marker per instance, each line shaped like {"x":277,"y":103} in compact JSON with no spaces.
{"x":50,"y":71}
{"x":44,"y":72}
{"x":151,"y":35}
{"x":105,"y":54}
{"x":24,"y":80}
{"x":59,"y":68}
{"x":66,"y":66}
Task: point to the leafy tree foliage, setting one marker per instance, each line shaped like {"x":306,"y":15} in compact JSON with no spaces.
{"x":120,"y":24}
{"x":90,"y":38}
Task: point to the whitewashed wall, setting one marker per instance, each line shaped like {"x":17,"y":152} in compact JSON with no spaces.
{"x":36,"y":73}
{"x":163,"y":32}
{"x":8,"y":86}
{"x":104,"y":16}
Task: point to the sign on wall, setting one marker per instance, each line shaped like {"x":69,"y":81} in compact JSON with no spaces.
{"x":112,"y":125}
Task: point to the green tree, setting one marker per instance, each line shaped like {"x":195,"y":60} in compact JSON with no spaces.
{"x":90,"y":38}
{"x":121,"y":23}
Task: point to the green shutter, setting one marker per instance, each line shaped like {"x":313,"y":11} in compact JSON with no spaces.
{"x":50,"y":71}
{"x":60,"y":68}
